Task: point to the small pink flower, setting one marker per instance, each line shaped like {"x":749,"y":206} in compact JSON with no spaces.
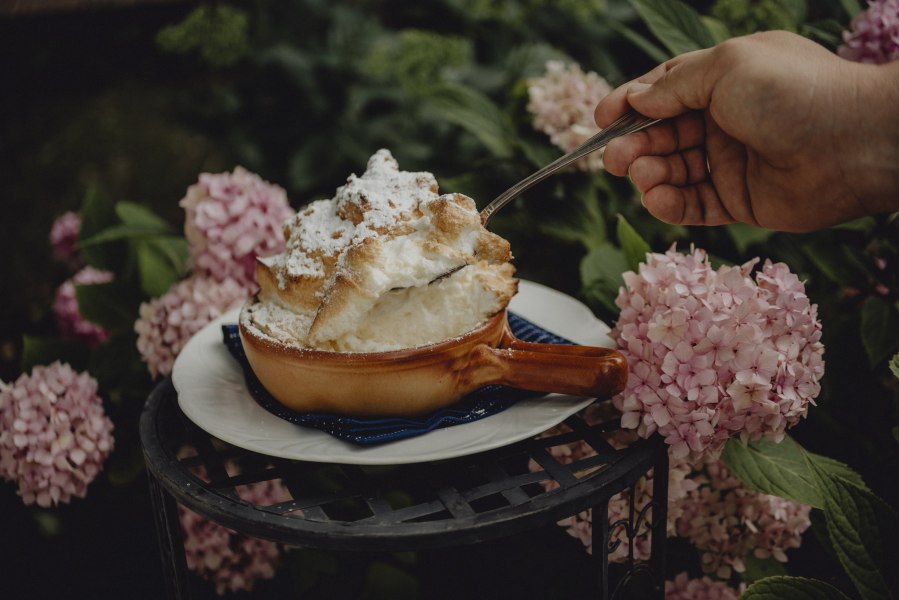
{"x":727,"y":522}
{"x":231,"y":218}
{"x":232,"y":561}
{"x":562,"y":101}
{"x":54,"y":434}
{"x":65,"y":307}
{"x":713,"y":354}
{"x":166,"y":323}
{"x":874,"y":36}
{"x":684,"y":588}
{"x":64,"y":237}
{"x":580,"y":526}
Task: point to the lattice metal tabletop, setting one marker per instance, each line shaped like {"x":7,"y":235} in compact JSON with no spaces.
{"x":417,"y":506}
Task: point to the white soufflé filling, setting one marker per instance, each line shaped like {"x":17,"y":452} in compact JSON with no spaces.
{"x":362,"y":271}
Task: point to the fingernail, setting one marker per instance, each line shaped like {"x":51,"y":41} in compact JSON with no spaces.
{"x":636,"y":88}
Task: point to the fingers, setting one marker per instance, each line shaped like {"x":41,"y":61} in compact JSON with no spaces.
{"x":615,"y":104}
{"x":692,"y":205}
{"x":665,"y":138}
{"x":681,"y":169}
{"x":666,"y":91}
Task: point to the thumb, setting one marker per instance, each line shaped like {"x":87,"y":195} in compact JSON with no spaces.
{"x":685,"y":85}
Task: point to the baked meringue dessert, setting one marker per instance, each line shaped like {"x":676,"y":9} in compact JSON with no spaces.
{"x":362,"y":271}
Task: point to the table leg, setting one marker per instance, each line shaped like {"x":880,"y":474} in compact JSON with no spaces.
{"x":171,"y":542}
{"x":659,"y":518}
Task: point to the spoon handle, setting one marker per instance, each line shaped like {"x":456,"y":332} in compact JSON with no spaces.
{"x":630,"y":122}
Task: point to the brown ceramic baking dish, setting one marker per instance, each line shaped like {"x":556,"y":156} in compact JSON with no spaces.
{"x":420,"y":380}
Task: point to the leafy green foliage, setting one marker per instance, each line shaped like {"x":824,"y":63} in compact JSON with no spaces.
{"x":894,"y":365}
{"x":760,"y":568}
{"x":748,"y":16}
{"x":863,"y":529}
{"x":879,"y":329}
{"x":417,"y":59}
{"x":632,"y":245}
{"x":677,"y":25}
{"x":45,"y":350}
{"x":783,"y":469}
{"x":219,"y":34}
{"x":794,"y":588}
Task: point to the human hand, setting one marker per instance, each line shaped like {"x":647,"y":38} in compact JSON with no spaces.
{"x":770,"y":129}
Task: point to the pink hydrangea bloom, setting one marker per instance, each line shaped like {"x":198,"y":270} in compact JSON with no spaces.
{"x":726,"y":522}
{"x":65,"y":307}
{"x":167,"y":322}
{"x":580,"y":525}
{"x":684,"y":588}
{"x":54,"y":434}
{"x":874,"y":36}
{"x":64,"y":236}
{"x":713,"y":353}
{"x":231,"y":218}
{"x":232,"y":561}
{"x":562,"y":102}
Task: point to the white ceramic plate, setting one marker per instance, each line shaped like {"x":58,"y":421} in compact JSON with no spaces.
{"x":212,"y":393}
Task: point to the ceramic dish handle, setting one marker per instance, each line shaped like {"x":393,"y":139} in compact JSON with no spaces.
{"x":559,"y":368}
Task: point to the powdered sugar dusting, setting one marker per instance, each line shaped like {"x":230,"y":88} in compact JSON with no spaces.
{"x":377,"y":202}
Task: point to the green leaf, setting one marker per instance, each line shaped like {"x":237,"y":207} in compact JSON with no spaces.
{"x":677,"y":25}
{"x":652,"y":50}
{"x":745,"y":236}
{"x":852,"y":7}
{"x":836,"y":262}
{"x":97,"y":214}
{"x":863,"y":530}
{"x":864,"y":224}
{"x":782,"y":469}
{"x":894,"y":364}
{"x":156,"y":272}
{"x":601,"y":274}
{"x":161,"y":263}
{"x":760,"y":568}
{"x":879,"y":330}
{"x":107,"y":304}
{"x":121,"y":232}
{"x":717,"y":28}
{"x":138,"y":215}
{"x":477,"y":114}
{"x":44,"y":350}
{"x":632,"y":244}
{"x":580,"y":220}
{"x":792,"y":588}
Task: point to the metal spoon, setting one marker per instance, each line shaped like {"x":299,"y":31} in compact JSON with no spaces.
{"x":629,"y":122}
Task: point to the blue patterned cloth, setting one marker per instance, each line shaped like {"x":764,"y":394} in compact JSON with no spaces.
{"x":481,"y":403}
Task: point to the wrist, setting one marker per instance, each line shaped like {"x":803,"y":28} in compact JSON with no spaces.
{"x":877,"y":153}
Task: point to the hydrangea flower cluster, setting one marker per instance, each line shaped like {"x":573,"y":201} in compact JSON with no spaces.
{"x":230,"y":219}
{"x":713,"y":353}
{"x":54,"y":434}
{"x":65,"y":307}
{"x":232,"y":561}
{"x":580,"y":526}
{"x":874,"y":35}
{"x":684,"y":588}
{"x":562,"y":102}
{"x":726,"y":522}
{"x":166,"y":323}
{"x":63,"y":238}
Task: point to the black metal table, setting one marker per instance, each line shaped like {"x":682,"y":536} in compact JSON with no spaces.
{"x":445,"y":503}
